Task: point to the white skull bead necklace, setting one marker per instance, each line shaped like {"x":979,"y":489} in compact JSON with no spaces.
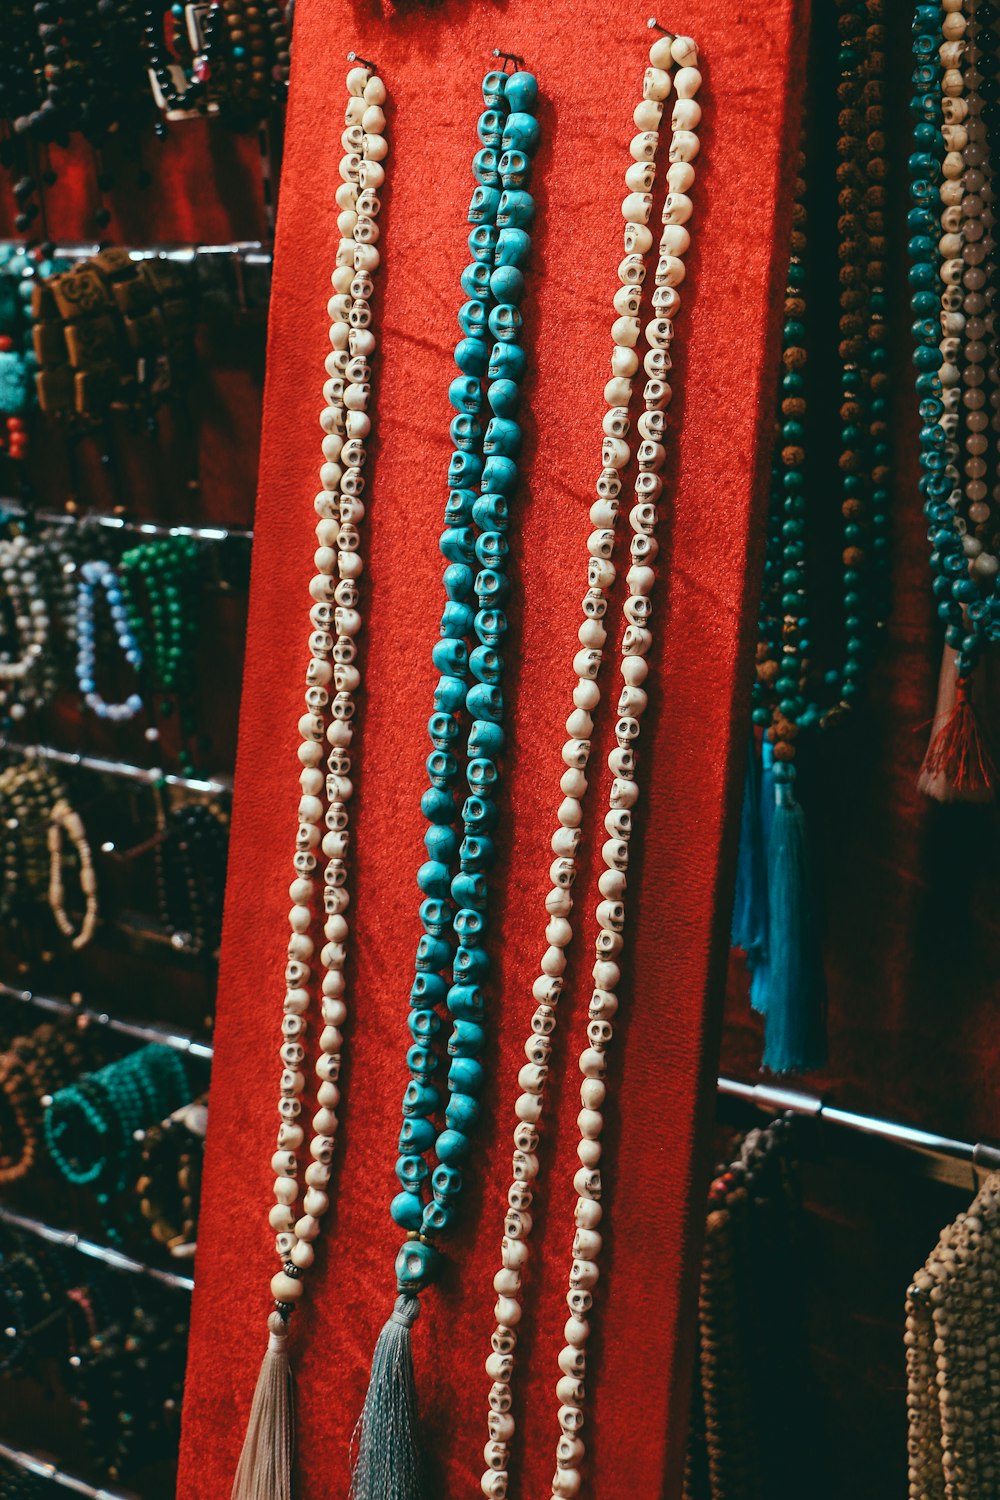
{"x":332,"y":680}
{"x":627,"y":337}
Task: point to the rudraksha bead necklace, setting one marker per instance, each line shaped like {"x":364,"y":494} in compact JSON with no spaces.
{"x":957,"y":765}
{"x":793,"y":694}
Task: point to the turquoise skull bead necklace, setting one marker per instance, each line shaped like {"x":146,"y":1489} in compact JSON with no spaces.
{"x":323,"y":810}
{"x":628,"y":336}
{"x":452,"y":964}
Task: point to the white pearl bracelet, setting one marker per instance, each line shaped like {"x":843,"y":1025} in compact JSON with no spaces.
{"x":615,"y":455}
{"x":333,"y":640}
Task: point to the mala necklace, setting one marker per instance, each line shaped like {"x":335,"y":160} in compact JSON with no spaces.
{"x":28,"y":672}
{"x":951,"y":1358}
{"x":773,"y":920}
{"x":160,"y":584}
{"x":953,"y":170}
{"x":265,"y":1462}
{"x":626,"y":335}
{"x":63,"y":821}
{"x":482,"y":476}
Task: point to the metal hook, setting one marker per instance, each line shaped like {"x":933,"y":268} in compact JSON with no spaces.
{"x":509,"y":57}
{"x":355,"y":57}
{"x":654,"y":25}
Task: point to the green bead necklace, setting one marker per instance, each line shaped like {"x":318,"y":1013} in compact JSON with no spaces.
{"x":793,"y":693}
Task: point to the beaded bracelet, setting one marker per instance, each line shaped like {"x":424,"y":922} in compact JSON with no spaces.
{"x":90,"y":1126}
{"x":63,"y":820}
{"x":94,"y":575}
{"x":592,"y":635}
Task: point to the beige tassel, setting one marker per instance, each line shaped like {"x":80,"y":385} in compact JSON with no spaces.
{"x":265,"y":1467}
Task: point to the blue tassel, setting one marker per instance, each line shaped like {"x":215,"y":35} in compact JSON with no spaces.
{"x":795,"y":1028}
{"x":749,"y":929}
{"x":757,"y":958}
{"x":387,"y":1462}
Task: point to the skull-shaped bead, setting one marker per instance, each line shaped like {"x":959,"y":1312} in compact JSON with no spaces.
{"x":502,"y":435}
{"x":494,"y":89}
{"x":489,"y":128}
{"x":513,"y":246}
{"x":516,"y":209}
{"x":483,"y":242}
{"x":485,"y":167}
{"x":483,"y":205}
{"x":514,"y":168}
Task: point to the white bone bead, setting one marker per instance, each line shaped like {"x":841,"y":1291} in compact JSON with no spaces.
{"x":636,"y":208}
{"x":660,"y":55}
{"x":647,"y":114}
{"x":687,"y":82}
{"x":680,"y":176}
{"x":655,"y":83}
{"x":686,"y":114}
{"x":285,"y":1288}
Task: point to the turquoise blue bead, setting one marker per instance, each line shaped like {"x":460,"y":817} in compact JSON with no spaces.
{"x":485,"y":701}
{"x":477,"y":853}
{"x":458,"y":510}
{"x":456,"y":620}
{"x":483,"y":205}
{"x":432,"y":954}
{"x":504,"y":397}
{"x":441,"y":767}
{"x":491,"y":626}
{"x":463,"y":1113}
{"x":480,"y":813}
{"x":475,"y":280}
{"x":464,"y":469}
{"x":458,"y":579}
{"x":502,"y":436}
{"x":491,"y":513}
{"x":486,"y":665}
{"x":466,"y":1075}
{"x":466,"y":1002}
{"x":421,"y":1061}
{"x":466,"y":394}
{"x":412,"y":1171}
{"x":407,"y":1210}
{"x":469,"y":890}
{"x":452,"y":1146}
{"x":424,"y":1025}
{"x":516,"y":210}
{"x":467,"y":1039}
{"x":416,"y":1137}
{"x":505,"y":322}
{"x":439,"y":1217}
{"x":489,"y":127}
{"x":465,"y":431}
{"x":522,"y":92}
{"x":482,"y":242}
{"x":513,"y":247}
{"x":420,"y":1099}
{"x":506,"y":362}
{"x":443,"y":730}
{"x":446,"y":1182}
{"x":486,"y":167}
{"x":506,"y":284}
{"x":449,"y":694}
{"x":494,"y":89}
{"x":437,"y":805}
{"x":472,"y":965}
{"x":416,"y":1266}
{"x":499,"y":473}
{"x":472,"y":318}
{"x":436,"y":916}
{"x":472,"y":356}
{"x":433,"y":878}
{"x":485,"y":738}
{"x":441,"y":842}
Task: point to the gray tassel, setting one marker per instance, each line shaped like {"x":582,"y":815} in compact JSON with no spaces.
{"x":387,"y":1461}
{"x":265,"y":1467}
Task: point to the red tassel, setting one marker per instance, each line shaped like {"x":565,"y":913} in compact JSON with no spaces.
{"x":958,"y":766}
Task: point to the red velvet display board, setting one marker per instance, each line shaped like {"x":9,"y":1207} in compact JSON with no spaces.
{"x":588,"y":58}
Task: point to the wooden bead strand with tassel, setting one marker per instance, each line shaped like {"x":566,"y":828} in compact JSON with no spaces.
{"x":264,"y":1471}
{"x":958,"y":765}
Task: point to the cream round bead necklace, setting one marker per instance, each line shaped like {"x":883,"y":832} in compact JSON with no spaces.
{"x":332,"y":680}
{"x":628,"y":336}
